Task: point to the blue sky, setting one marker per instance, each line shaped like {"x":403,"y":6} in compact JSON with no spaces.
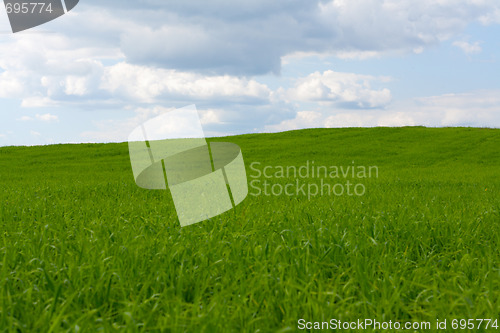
{"x":97,"y":72}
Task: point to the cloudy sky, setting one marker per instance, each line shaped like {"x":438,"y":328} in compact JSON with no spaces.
{"x":255,"y":66}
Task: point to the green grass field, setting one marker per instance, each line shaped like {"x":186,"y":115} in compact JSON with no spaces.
{"x":84,"y":249}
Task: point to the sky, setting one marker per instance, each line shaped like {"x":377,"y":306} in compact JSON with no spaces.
{"x":104,"y":68}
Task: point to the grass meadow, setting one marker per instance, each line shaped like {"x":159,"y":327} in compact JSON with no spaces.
{"x":83,"y":249}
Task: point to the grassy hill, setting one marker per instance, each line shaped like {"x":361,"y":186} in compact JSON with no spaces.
{"x":83,"y":248}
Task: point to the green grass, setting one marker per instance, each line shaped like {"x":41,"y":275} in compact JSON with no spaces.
{"x":84,"y":249}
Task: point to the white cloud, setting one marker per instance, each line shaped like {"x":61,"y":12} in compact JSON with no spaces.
{"x":469,"y":48}
{"x":360,"y":55}
{"x":45,"y":71}
{"x":25,"y":118}
{"x":47,"y":117}
{"x":37,"y":102}
{"x":477,"y":109}
{"x":396,"y":119}
{"x":349,"y":120}
{"x":404,"y":25}
{"x":493,"y":16}
{"x":304,"y":119}
{"x":216,"y":122}
{"x":10,"y":85}
{"x":113,"y":130}
{"x":347,"y":88}
{"x":211,"y":116}
{"x":148,"y":84}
